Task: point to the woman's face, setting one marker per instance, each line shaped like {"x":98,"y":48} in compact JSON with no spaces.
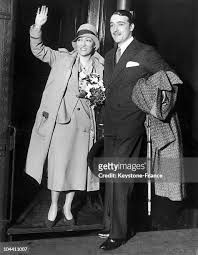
{"x":85,"y":45}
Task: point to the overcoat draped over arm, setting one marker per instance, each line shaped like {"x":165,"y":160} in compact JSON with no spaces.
{"x":156,"y":96}
{"x":61,"y":63}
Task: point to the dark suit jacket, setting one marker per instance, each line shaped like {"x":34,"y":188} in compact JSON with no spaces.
{"x":122,"y":117}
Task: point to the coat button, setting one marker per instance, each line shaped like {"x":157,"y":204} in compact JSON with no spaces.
{"x":78,"y":109}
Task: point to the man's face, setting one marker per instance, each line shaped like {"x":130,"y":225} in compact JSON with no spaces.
{"x":85,"y":45}
{"x":120,"y":28}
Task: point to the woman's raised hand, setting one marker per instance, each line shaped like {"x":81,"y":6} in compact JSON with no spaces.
{"x":41,"y":16}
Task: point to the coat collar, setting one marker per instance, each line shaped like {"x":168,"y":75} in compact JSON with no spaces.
{"x":98,"y":61}
{"x":96,"y":56}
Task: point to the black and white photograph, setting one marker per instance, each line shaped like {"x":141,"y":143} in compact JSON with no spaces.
{"x":99,"y":127}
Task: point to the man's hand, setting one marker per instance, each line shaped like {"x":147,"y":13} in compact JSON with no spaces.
{"x":41,"y":16}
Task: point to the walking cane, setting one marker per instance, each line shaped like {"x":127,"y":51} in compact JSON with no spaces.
{"x":148,"y":161}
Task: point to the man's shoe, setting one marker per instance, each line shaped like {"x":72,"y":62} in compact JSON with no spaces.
{"x":111,"y":244}
{"x":104,"y":234}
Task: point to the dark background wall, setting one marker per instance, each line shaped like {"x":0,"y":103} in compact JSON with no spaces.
{"x":168,"y":25}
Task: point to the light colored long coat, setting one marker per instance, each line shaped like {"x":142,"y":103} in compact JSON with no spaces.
{"x":61,"y":66}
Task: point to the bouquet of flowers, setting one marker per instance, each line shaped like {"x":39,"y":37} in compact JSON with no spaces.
{"x":91,"y":88}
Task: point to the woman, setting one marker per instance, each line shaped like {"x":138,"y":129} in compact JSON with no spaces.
{"x":64,"y":129}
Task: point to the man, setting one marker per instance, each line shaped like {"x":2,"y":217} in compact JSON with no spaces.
{"x":124,"y":127}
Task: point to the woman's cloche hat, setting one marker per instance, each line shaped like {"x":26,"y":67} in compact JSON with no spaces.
{"x":87,"y":30}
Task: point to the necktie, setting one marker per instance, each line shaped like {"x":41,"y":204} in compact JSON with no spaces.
{"x":118,"y":54}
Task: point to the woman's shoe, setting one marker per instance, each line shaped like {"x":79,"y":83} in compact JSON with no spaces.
{"x":50,"y":223}
{"x":68,"y":222}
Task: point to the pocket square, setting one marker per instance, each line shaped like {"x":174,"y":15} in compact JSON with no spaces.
{"x":131,"y":64}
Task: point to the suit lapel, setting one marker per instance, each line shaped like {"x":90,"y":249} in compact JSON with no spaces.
{"x":128,"y":55}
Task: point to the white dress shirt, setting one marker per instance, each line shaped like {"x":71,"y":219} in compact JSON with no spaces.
{"x":125,"y":44}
